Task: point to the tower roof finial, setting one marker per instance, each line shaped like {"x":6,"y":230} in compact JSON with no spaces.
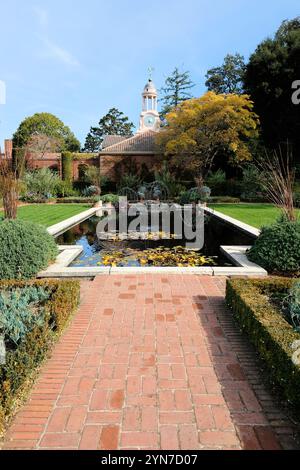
{"x":150,"y":72}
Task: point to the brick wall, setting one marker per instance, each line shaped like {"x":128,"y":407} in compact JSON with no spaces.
{"x":53,"y":161}
{"x":86,"y":161}
{"x":113,"y":166}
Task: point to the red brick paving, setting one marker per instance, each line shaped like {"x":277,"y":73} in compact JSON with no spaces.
{"x":151,"y":362}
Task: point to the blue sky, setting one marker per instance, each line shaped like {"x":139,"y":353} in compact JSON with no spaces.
{"x":77,"y":59}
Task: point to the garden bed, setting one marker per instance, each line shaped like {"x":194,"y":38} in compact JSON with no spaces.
{"x":273,"y":337}
{"x":24,"y":353}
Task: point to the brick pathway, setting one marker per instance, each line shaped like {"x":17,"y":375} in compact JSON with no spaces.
{"x":151,"y":362}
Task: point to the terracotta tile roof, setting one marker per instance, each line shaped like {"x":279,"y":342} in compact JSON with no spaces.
{"x":144,"y":142}
{"x":113,"y":139}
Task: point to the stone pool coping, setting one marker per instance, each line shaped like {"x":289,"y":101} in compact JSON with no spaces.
{"x":237,"y":254}
{"x":61,"y":227}
{"x":246,"y":228}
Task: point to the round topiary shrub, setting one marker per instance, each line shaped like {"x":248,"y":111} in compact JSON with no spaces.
{"x":277,"y":249}
{"x":25,"y":249}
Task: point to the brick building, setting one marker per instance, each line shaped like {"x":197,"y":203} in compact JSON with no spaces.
{"x":119,"y":154}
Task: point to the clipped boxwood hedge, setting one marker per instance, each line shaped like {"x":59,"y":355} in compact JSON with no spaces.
{"x":267,"y":329}
{"x":77,"y":200}
{"x":224,"y":200}
{"x":22,"y":362}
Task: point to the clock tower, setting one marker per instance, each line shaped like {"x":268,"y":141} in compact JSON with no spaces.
{"x":149,"y":119}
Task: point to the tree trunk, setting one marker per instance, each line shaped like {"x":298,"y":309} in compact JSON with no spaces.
{"x":199,"y":181}
{"x":10,"y":203}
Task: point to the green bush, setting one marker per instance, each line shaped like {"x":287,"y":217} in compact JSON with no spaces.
{"x":22,"y":360}
{"x":195,"y":194}
{"x":277,"y":249}
{"x":225,"y":199}
{"x":33,"y":199}
{"x":65,"y":189}
{"x":65,"y":299}
{"x":168,"y":181}
{"x":66,"y":166}
{"x":21,"y":310}
{"x":25,"y":249}
{"x":291,"y":305}
{"x":220,"y":186}
{"x":91,"y":191}
{"x":217,"y":182}
{"x":130,"y":180}
{"x":93,"y":177}
{"x":271,"y":334}
{"x":110,"y":198}
{"x":252,"y":183}
{"x":20,"y":364}
{"x":40,"y":184}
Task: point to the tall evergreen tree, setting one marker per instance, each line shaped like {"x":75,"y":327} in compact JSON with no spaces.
{"x":229,"y":77}
{"x":176,"y":90}
{"x":270,"y":73}
{"x":113,"y":123}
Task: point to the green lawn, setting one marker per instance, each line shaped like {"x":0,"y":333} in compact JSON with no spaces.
{"x":48,"y":215}
{"x":256,"y":215}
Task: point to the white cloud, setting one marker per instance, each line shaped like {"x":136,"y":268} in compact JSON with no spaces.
{"x":59,"y":53}
{"x":51,"y":49}
{"x":42,"y":16}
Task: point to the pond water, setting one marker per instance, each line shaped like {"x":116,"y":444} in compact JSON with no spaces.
{"x":129,"y":253}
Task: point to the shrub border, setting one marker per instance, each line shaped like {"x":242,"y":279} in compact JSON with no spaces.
{"x":269,"y":332}
{"x":63,"y":302}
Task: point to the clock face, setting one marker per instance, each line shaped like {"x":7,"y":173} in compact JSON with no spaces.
{"x":149,"y":120}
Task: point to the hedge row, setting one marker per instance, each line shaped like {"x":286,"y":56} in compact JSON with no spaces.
{"x":77,"y":200}
{"x":267,"y":329}
{"x":21,"y":363}
{"x":224,"y":199}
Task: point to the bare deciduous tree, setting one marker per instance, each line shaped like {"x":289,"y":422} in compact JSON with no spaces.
{"x":9,"y":186}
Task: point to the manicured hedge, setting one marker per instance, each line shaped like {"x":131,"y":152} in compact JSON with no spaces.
{"x":224,"y":199}
{"x":66,"y":166}
{"x":23,"y":361}
{"x":267,"y":329}
{"x":77,"y":200}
